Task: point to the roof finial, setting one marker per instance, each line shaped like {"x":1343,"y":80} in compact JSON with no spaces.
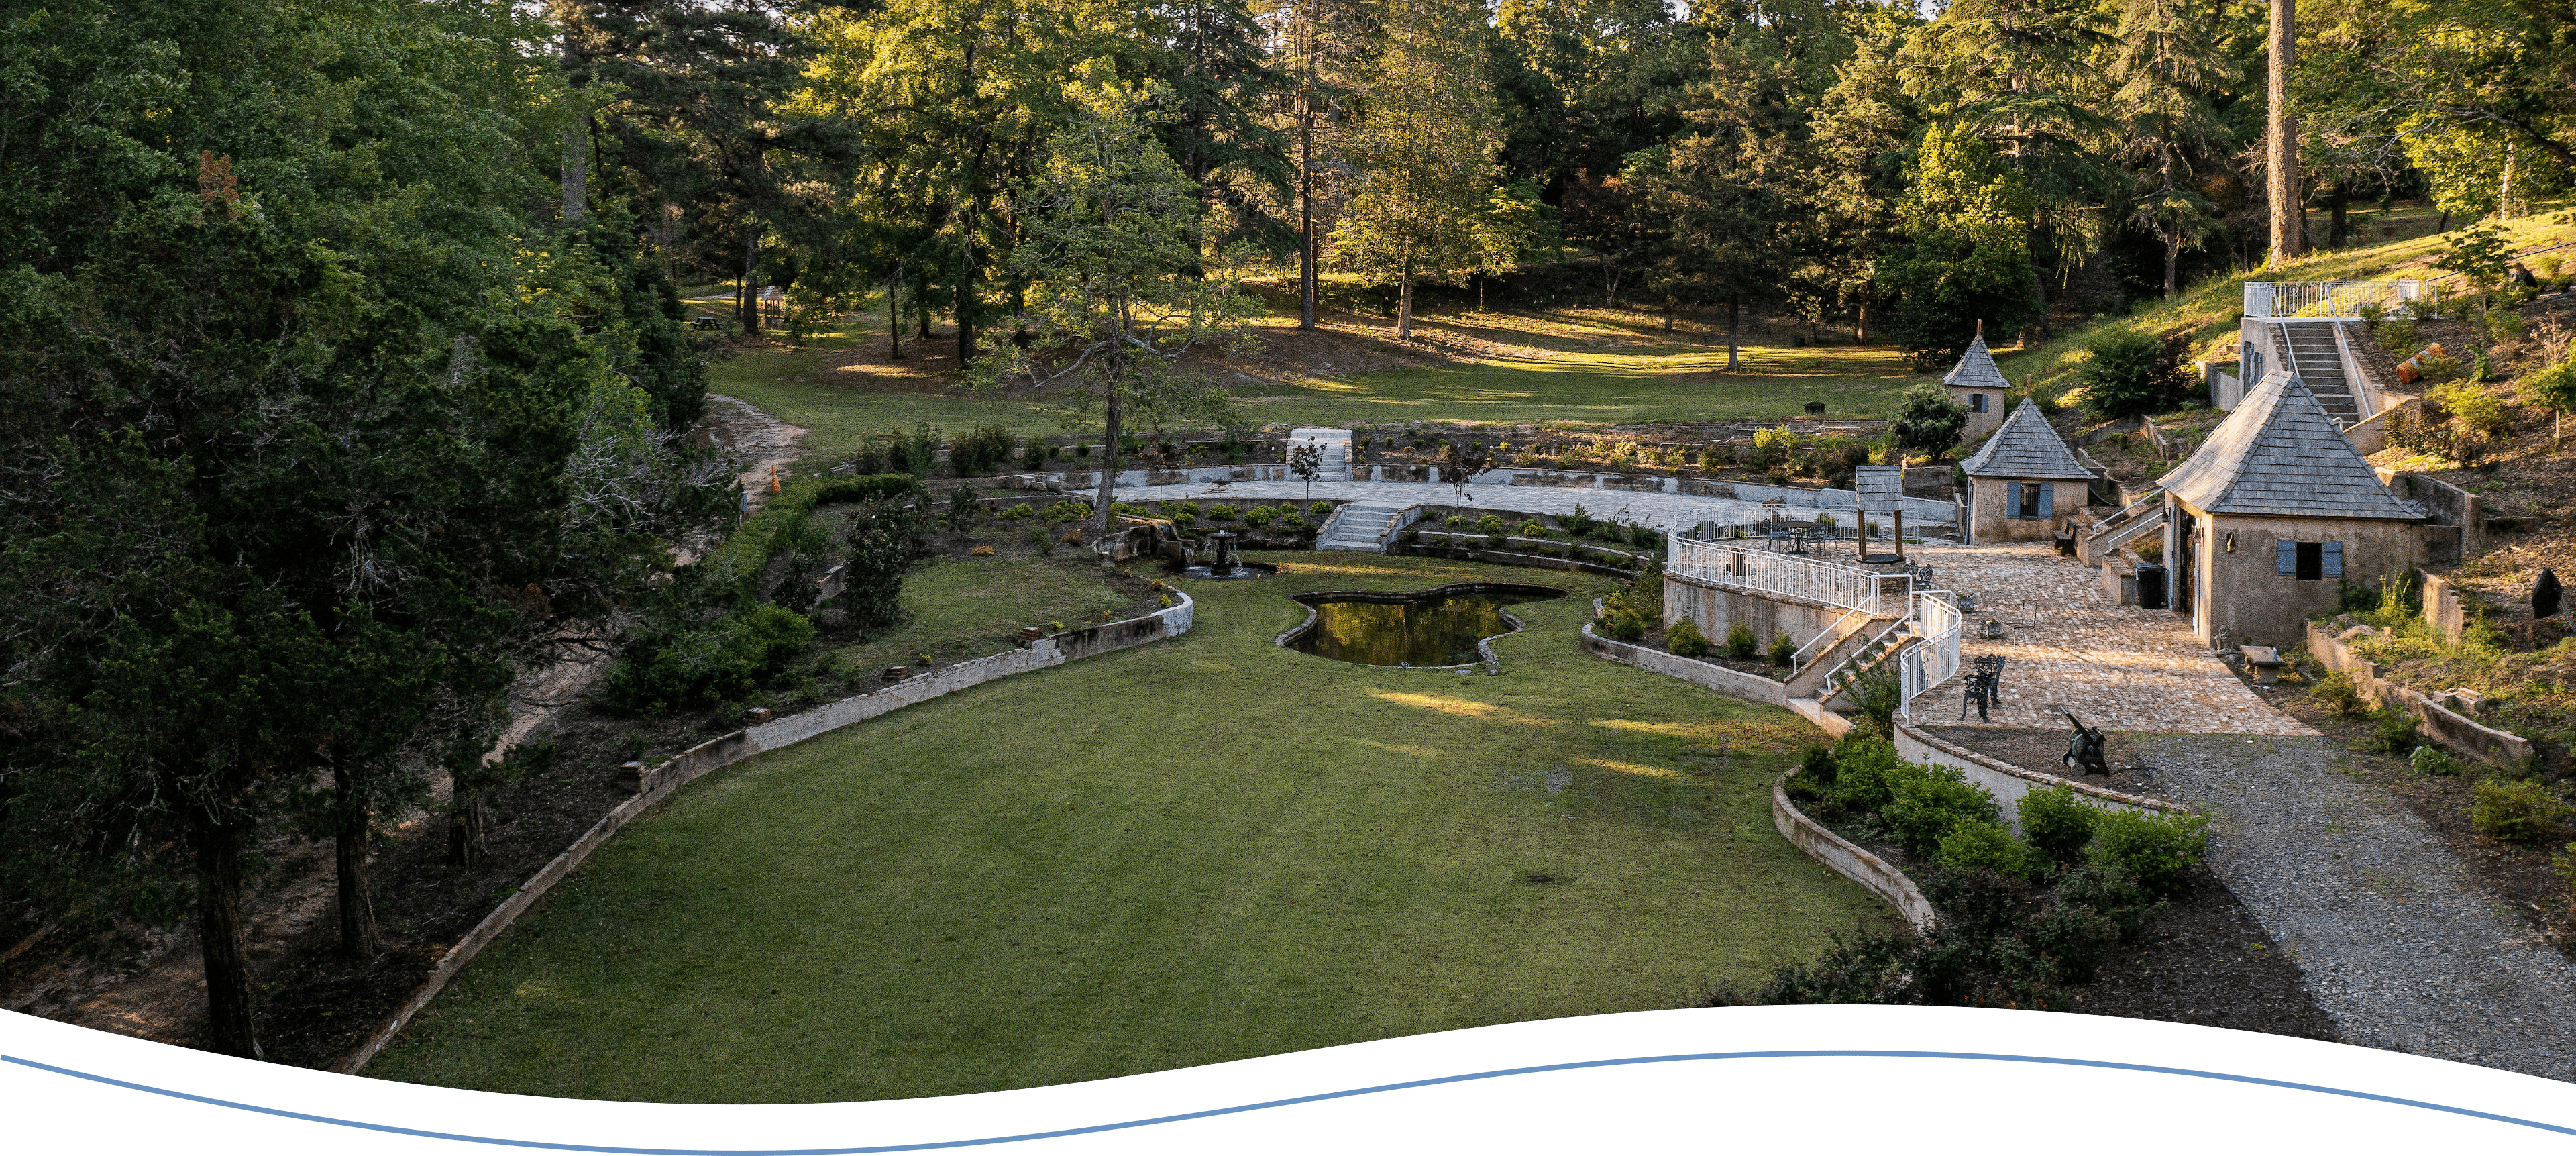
{"x":1981,"y":329}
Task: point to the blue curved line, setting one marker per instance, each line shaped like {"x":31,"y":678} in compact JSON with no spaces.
{"x":1201,"y":1115}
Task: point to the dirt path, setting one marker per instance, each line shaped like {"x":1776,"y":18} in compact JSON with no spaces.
{"x":751,"y":436}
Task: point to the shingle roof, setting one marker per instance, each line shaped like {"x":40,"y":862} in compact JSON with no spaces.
{"x":2025,"y":448}
{"x":1881,"y":488}
{"x":2279,"y":454}
{"x":1977,"y":370}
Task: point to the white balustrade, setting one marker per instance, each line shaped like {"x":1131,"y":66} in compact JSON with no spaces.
{"x":2331,"y":298}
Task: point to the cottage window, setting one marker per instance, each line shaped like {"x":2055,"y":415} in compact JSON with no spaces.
{"x":1976,"y":403}
{"x":2034,"y":500}
{"x":2307,"y":561}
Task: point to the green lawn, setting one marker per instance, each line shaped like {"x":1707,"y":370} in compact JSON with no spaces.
{"x":1182,"y":854}
{"x":969,"y":607}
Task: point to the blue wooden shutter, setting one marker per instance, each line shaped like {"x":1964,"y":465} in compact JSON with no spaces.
{"x":2285,"y":557}
{"x":2334,"y":559}
{"x":2047,"y":499}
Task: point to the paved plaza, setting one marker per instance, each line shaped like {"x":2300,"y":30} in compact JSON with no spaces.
{"x":2069,"y":646}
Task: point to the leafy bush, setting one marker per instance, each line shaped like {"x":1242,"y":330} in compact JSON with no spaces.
{"x":1880,"y":694}
{"x":1864,"y":768}
{"x":2396,"y":734}
{"x":2057,"y":822}
{"x":2128,"y":374}
{"x":1532,"y":529}
{"x":1623,"y":623}
{"x":2516,"y":812}
{"x":1222,"y":512}
{"x":1783,"y":649}
{"x":2430,"y":760}
{"x":1978,"y":845}
{"x":2150,"y":847}
{"x":1259,"y":516}
{"x":1772,"y":447}
{"x":976,"y":454}
{"x":1580,"y":522}
{"x":1818,"y":765}
{"x":872,"y":488}
{"x":1489,"y":524}
{"x":2336,"y":693}
{"x":1686,"y":640}
{"x":1320,"y":508}
{"x":705,"y":662}
{"x":916,"y":453}
{"x":1293,"y":522}
{"x":1928,"y":801}
{"x":1740,"y":642}
{"x":1015,"y":513}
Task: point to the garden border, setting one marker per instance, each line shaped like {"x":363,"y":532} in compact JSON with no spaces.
{"x":725,"y":750}
{"x":1848,"y":859}
{"x":1691,"y":670}
{"x":2447,"y":727}
{"x":2007,"y":782}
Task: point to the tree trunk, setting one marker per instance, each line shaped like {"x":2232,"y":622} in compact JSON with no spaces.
{"x":2281,"y":141}
{"x":229,"y":1028}
{"x":2504,"y":191}
{"x":2338,"y":226}
{"x":966,"y":206}
{"x":358,"y":938}
{"x":1108,"y":455}
{"x":750,"y":294}
{"x":1734,"y":320}
{"x":1306,"y":182}
{"x":921,"y":308}
{"x":2173,"y":256}
{"x":576,"y":175}
{"x":894,"y":312}
{"x":1404,"y":304}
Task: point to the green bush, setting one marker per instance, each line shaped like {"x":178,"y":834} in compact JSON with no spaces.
{"x":1223,"y":513}
{"x":1015,"y":513}
{"x":2431,"y":761}
{"x":2336,"y":693}
{"x":1783,"y":649}
{"x":1293,"y":522}
{"x":1881,"y":692}
{"x":1532,"y":529}
{"x":1624,"y":624}
{"x":2150,"y":847}
{"x":1740,"y":642}
{"x":2057,"y":822}
{"x":2396,"y":734}
{"x":1865,"y":767}
{"x":1320,"y":508}
{"x":2517,"y":812}
{"x":2128,"y":375}
{"x":1926,"y":802}
{"x":976,"y":454}
{"x":707,"y":661}
{"x":875,"y":487}
{"x":1259,"y":516}
{"x":1818,"y":765}
{"x":1978,"y":845}
{"x":1686,"y":640}
{"x":1489,"y":524}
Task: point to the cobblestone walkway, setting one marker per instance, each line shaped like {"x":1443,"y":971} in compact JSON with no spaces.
{"x":2068,"y":646}
{"x":2398,"y":942}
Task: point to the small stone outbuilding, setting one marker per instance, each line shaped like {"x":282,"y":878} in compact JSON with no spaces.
{"x":2273,"y":515}
{"x":1978,"y":385}
{"x":2024,"y":482}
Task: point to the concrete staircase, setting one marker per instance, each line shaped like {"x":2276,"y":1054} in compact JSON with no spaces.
{"x":1812,"y":678}
{"x":2314,"y":358}
{"x":1335,"y":445}
{"x":1364,"y":526}
{"x":1882,"y":647}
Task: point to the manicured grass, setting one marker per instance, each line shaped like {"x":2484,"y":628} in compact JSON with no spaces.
{"x":1186,"y":853}
{"x":1658,"y":383}
{"x":969,"y":607}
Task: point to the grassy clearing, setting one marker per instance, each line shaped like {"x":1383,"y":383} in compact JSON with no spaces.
{"x":969,"y":607}
{"x":1251,"y":852}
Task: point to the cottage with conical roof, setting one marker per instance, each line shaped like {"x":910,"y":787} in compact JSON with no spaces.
{"x":2023,"y":482}
{"x":2271,"y":516}
{"x":1977,"y":385}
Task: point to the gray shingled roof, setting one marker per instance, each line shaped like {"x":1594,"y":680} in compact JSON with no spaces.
{"x":1977,"y":370}
{"x":1881,"y":488}
{"x":2025,"y":448}
{"x":2279,"y":454}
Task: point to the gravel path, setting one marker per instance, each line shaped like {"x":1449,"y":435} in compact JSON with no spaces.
{"x":2399,"y":943}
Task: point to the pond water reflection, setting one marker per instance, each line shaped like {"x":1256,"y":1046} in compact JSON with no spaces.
{"x":1437,"y":627}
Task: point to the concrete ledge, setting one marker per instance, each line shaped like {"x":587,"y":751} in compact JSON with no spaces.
{"x":1507,"y":558}
{"x":717,"y":753}
{"x":2008,"y":783}
{"x":2445,"y":726}
{"x":1848,"y":859}
{"x":1691,"y":670}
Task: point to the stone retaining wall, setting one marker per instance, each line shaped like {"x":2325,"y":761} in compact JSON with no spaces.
{"x":723,"y":751}
{"x":1723,"y":680}
{"x":1848,"y":859}
{"x":2008,"y":783}
{"x":2448,"y":727}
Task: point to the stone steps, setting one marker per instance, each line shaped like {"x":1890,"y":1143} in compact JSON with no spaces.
{"x":2315,"y":359}
{"x":1362,"y":526}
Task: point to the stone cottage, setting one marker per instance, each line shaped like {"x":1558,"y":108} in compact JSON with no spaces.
{"x":1977,"y":384}
{"x":2273,"y":514}
{"x":2024,"y":482}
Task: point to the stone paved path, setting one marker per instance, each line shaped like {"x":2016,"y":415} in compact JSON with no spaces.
{"x":1662,"y":511}
{"x":2068,"y":645}
{"x":2397,"y":940}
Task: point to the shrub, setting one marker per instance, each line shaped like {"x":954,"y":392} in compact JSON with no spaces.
{"x":1880,"y":694}
{"x":1223,"y":513}
{"x":980,"y":552}
{"x":875,"y":487}
{"x":1818,"y":765}
{"x":1865,"y":766}
{"x":1977,"y":845}
{"x":975,"y":455}
{"x":1578,"y":523}
{"x":1686,"y":640}
{"x":1320,"y":508}
{"x":1783,"y":649}
{"x":1183,"y":517}
{"x":1624,"y":624}
{"x":706,"y":661}
{"x":1533,"y":530}
{"x":2150,"y":847}
{"x":1928,"y":801}
{"x":2396,"y":734}
{"x":1259,"y":516}
{"x":1489,"y":524}
{"x":2057,"y":823}
{"x":1740,"y":642}
{"x":2516,"y":812}
{"x":2127,"y":375}
{"x":2431,"y":761}
{"x":1015,"y":513}
{"x":1293,"y":522}
{"x":2336,"y":693}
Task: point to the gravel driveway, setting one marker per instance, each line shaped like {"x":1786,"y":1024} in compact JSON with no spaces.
{"x":2398,"y":942}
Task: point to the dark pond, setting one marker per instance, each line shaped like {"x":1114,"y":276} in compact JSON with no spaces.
{"x":1438,"y":627}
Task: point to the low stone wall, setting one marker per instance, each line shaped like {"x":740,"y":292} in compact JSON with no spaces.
{"x":725,"y":750}
{"x":2008,"y":783}
{"x":1507,"y":558}
{"x":2448,"y":727}
{"x":1691,"y":670}
{"x":1848,"y":859}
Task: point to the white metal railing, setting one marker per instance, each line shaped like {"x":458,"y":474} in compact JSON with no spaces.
{"x":1788,"y":575}
{"x":1832,"y":636}
{"x":1934,"y":657}
{"x":2330,"y":298}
